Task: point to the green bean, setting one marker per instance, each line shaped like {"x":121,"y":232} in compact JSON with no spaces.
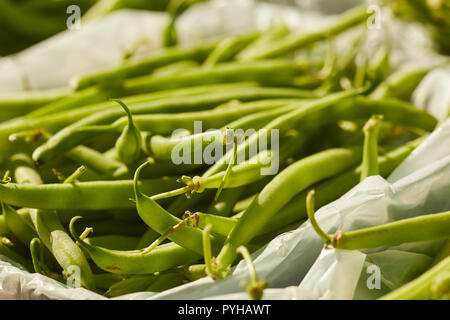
{"x":258,"y":120}
{"x":67,"y":137}
{"x":243,"y":204}
{"x":166,"y":281}
{"x":145,"y":66}
{"x":241,"y":174}
{"x":255,"y":287}
{"x":71,"y":101}
{"x":20,"y":103}
{"x":281,"y":190}
{"x":50,"y":121}
{"x":224,"y":206}
{"x":170,"y":37}
{"x":219,"y":225}
{"x":400,"y":84}
{"x":4,"y":230}
{"x":114,"y":242}
{"x":160,"y":220}
{"x":106,"y":280}
{"x":433,"y":284}
{"x":267,"y":37}
{"x":68,"y":255}
{"x":164,"y":148}
{"x":37,"y":256}
{"x":98,"y":195}
{"x":96,"y":161}
{"x":422,"y":228}
{"x":18,"y":225}
{"x":162,"y":258}
{"x":24,"y":171}
{"x":130,"y":285}
{"x":379,"y":66}
{"x":443,"y":253}
{"x":176,"y":67}
{"x":270,"y":72}
{"x":292,"y":42}
{"x":194,"y":272}
{"x":228,"y":48}
{"x":392,"y":110}
{"x":7,"y":251}
{"x":66,"y":215}
{"x":370,"y":153}
{"x":27,"y":23}
{"x":129,"y":143}
{"x":207,"y":252}
{"x":147,"y":239}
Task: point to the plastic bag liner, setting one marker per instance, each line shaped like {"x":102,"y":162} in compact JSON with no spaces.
{"x":98,"y":45}
{"x":294,"y":263}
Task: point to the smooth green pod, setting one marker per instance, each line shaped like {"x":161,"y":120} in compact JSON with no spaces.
{"x":66,"y":252}
{"x":129,"y":143}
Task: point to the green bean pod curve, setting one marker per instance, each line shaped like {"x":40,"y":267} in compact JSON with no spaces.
{"x":161,"y":221}
{"x":163,"y":257}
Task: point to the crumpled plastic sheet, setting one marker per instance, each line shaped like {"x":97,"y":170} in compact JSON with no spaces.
{"x":98,"y":45}
{"x":295,"y":264}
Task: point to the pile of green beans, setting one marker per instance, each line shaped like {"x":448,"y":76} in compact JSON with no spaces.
{"x":90,"y":178}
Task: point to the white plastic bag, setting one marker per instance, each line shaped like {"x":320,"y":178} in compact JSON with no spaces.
{"x":98,"y":45}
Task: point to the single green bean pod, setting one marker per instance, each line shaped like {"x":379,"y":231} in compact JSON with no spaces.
{"x":129,"y":143}
{"x":370,"y":165}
